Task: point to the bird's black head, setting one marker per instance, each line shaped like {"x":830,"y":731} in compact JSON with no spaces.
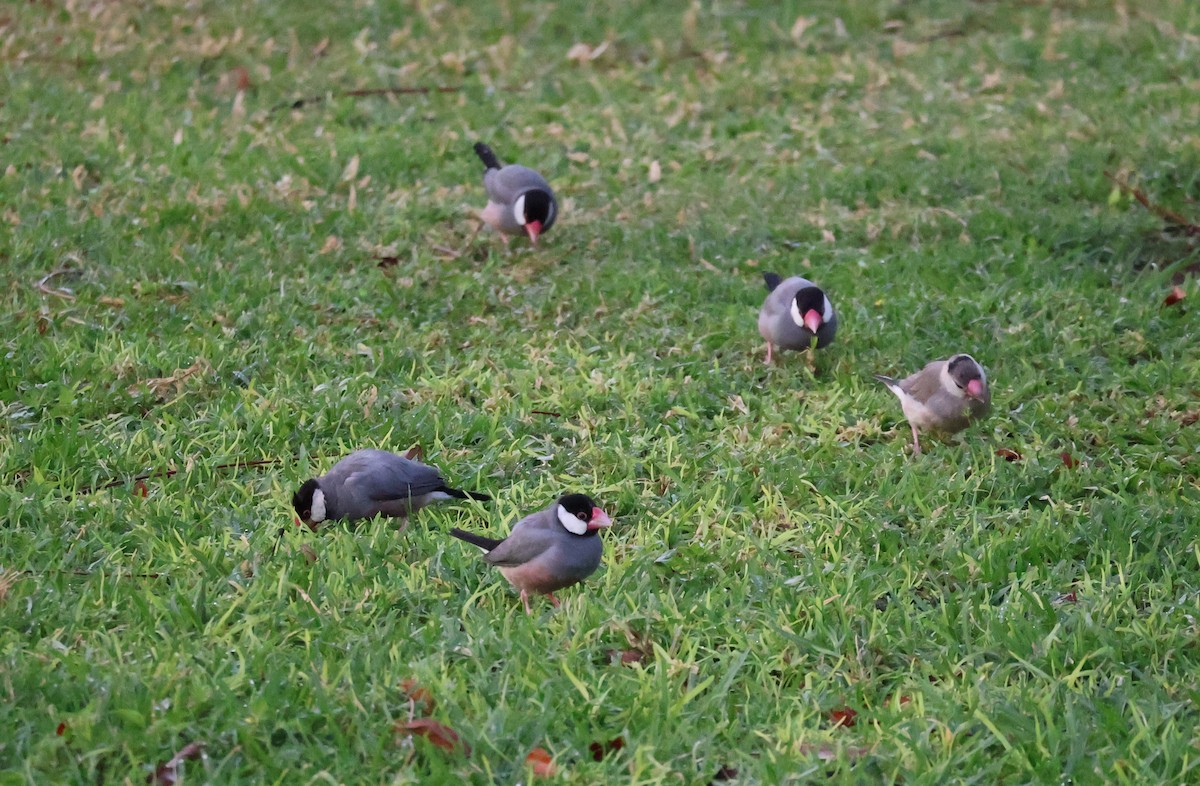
{"x":811,"y":299}
{"x":580,"y":516}
{"x":578,"y":505}
{"x":968,"y":375}
{"x":811,"y":309}
{"x":302,"y":500}
{"x":541,"y":208}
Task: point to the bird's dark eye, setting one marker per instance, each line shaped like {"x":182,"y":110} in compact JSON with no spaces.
{"x":581,"y":516}
{"x":307,"y":513}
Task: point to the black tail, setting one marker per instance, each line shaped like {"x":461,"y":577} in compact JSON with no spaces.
{"x":773,"y":280}
{"x":487,"y":156}
{"x":460,"y":494}
{"x":487,"y":544}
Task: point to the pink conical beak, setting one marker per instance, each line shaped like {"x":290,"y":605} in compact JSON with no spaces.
{"x":812,"y":320}
{"x":975,"y":389}
{"x":599,"y":519}
{"x":533,"y":229}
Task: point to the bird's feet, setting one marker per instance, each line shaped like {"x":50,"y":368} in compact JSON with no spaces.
{"x":916,"y":442}
{"x":553,"y":600}
{"x":770,"y":352}
{"x":525,"y":600}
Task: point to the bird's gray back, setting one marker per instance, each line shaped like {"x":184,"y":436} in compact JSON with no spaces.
{"x":504,"y":185}
{"x":366,"y":478}
{"x":540,"y":536}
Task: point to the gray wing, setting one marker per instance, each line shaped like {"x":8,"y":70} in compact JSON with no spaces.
{"x":506,"y":184}
{"x":378,"y":476}
{"x":926,"y":383}
{"x":531,"y":537}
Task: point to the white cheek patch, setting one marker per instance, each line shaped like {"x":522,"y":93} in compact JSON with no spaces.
{"x":550,"y":214}
{"x":827,"y":312}
{"x":572,"y":524}
{"x":519,"y":210}
{"x":317,"y":512}
{"x":948,"y":384}
{"x":799,"y":320}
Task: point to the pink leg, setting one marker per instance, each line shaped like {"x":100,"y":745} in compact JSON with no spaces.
{"x":525,"y":600}
{"x":769,"y":353}
{"x":916,"y":442}
{"x":553,"y":600}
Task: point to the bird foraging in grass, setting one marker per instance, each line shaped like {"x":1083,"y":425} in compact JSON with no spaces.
{"x":546,"y":551}
{"x":795,"y":315}
{"x":520,"y":200}
{"x":945,"y":396}
{"x":368,"y":483}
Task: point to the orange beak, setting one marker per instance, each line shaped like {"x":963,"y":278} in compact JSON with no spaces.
{"x":533,"y":229}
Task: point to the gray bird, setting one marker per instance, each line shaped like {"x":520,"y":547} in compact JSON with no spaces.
{"x":554,"y":548}
{"x":371,"y":482}
{"x":795,"y":313}
{"x":519,"y":199}
{"x":944,"y":396}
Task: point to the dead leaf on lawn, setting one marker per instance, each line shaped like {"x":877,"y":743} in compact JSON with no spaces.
{"x":418,"y":694}
{"x":438,"y":734}
{"x":801,"y":24}
{"x":167,"y":773}
{"x":161,"y":386}
{"x":600,"y":750}
{"x":1008,"y":454}
{"x":1177,"y":294}
{"x":540,"y":762}
{"x":843,"y":716}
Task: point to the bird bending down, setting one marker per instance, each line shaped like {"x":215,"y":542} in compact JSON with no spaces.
{"x":520,"y":200}
{"x":795,"y":315}
{"x":546,"y":551}
{"x":945,"y":396}
{"x":371,"y":482}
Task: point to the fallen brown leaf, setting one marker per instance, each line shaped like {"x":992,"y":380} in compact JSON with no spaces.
{"x":843,"y":716}
{"x":167,"y":773}
{"x":599,"y":751}
{"x":540,"y":762}
{"x":1069,"y":461}
{"x":726,"y":773}
{"x":438,"y":734}
{"x":418,"y":694}
{"x":1009,"y":455}
{"x":626,"y":657}
{"x":1177,"y":294}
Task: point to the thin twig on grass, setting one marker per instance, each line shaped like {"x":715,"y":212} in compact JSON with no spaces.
{"x":1165,"y":213}
{"x":44,"y":287}
{"x":300,"y":103}
{"x":166,"y":473}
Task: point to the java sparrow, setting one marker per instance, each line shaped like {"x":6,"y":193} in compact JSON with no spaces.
{"x":370,"y":482}
{"x":554,"y":548}
{"x":794,"y":314}
{"x":944,"y":396}
{"x":519,"y":199}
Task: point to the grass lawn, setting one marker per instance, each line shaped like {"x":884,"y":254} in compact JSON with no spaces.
{"x":196,"y":274}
